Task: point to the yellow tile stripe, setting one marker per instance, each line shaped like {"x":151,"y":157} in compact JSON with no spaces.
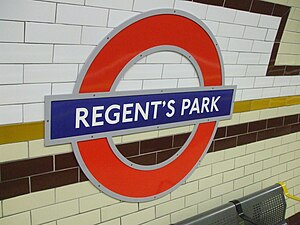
{"x":33,"y":131}
{"x":258,"y":104}
{"x":21,"y":132}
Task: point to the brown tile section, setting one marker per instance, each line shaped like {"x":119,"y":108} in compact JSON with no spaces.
{"x":148,"y":159}
{"x":290,"y":119}
{"x":275,"y":122}
{"x":280,"y":10}
{"x":262,"y":7}
{"x":14,"y":188}
{"x":156,"y":144}
{"x":25,"y":168}
{"x":130,"y":149}
{"x":294,"y":220}
{"x":247,"y":138}
{"x":266,"y":134}
{"x":211,"y":147}
{"x":82,"y":176}
{"x":240,"y":5}
{"x":275,"y":70}
{"x":221,"y":132}
{"x":211,"y":2}
{"x":55,"y":179}
{"x":295,"y":128}
{"x":225,"y":143}
{"x":64,"y":161}
{"x":292,"y":70}
{"x":280,"y":131}
{"x":180,"y":139}
{"x":257,"y":125}
{"x":164,"y":155}
{"x":281,"y":28}
{"x":237,"y":129}
{"x":273,"y":58}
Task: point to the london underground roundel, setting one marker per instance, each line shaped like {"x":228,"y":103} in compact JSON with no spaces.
{"x":95,"y":112}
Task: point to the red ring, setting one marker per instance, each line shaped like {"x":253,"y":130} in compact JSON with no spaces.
{"x":149,"y":32}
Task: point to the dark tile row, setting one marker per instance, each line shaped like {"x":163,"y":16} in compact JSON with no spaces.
{"x":255,"y":6}
{"x":241,"y":134}
{"x":30,"y":175}
{"x":154,"y":151}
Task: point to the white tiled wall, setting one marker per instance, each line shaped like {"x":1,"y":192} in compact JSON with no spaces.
{"x":43,"y":44}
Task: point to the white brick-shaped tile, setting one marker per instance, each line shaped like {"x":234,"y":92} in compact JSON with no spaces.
{"x":247,"y":18}
{"x":159,"y":84}
{"x":118,"y":210}
{"x":179,"y":71}
{"x":25,"y":53}
{"x":169,"y":207}
{"x":76,"y":2}
{"x":41,"y":73}
{"x":256,"y":70}
{"x":114,"y":4}
{"x":62,"y":88}
{"x":230,"y":57}
{"x":144,"y":71}
{"x":93,"y":35}
{"x":213,"y":26}
{"x":264,"y":58}
{"x":235,"y":70}
{"x":164,"y":57}
{"x":27,"y":202}
{"x":223,"y":42}
{"x":144,"y":5}
{"x":129,"y":85}
{"x":248,"y":58}
{"x":264,"y":81}
{"x":281,"y":81}
{"x":11,"y":74}
{"x":81,"y":15}
{"x":116,"y":17}
{"x":71,"y":53}
{"x":14,"y":151}
{"x":52,"y":33}
{"x":11,"y":114}
{"x":139,"y":217}
{"x":255,"y":33}
{"x":22,"y":218}
{"x":253,"y":93}
{"x":288,"y":91}
{"x":94,"y":201}
{"x":26,"y":93}
{"x":184,"y":214}
{"x":54,"y":212}
{"x":240,"y":45}
{"x":271,"y":92}
{"x":26,"y":10}
{"x":89,"y":218}
{"x":197,"y":9}
{"x":11,"y":31}
{"x":269,"y":21}
{"x":230,"y":30}
{"x":221,"y":189}
{"x":243,"y":82}
{"x":217,"y":13}
{"x":188,"y":83}
{"x":33,"y":112}
{"x":262,"y":46}
{"x":271,"y":34}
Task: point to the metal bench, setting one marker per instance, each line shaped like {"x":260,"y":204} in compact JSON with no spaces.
{"x":265,"y":207}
